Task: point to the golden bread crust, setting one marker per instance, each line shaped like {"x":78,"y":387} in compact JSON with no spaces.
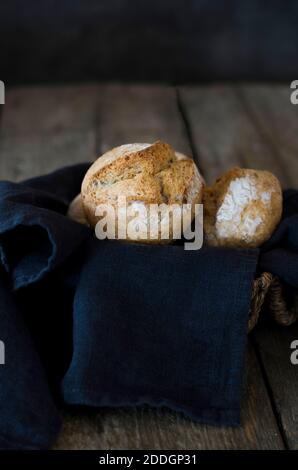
{"x":242,"y":208}
{"x":76,"y":211}
{"x":144,"y":174}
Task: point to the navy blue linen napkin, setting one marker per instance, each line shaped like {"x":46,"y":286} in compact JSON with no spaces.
{"x":35,"y":234}
{"x":28,"y":415}
{"x":162,"y":327}
{"x":107,"y":323}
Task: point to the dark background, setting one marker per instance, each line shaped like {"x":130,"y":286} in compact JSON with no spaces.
{"x":168,"y":40}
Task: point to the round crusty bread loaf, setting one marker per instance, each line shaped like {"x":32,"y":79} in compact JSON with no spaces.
{"x":242,"y":208}
{"x":145,"y":174}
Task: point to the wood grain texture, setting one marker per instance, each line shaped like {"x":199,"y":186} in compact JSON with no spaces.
{"x":136,"y":113}
{"x":39,"y":109}
{"x":276,"y":118}
{"x":223,"y":134}
{"x":274,"y":345}
{"x":48,"y":127}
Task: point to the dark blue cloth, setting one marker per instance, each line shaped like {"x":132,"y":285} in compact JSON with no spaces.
{"x":28,"y":415}
{"x":105,"y":323}
{"x":161,"y":326}
{"x":280,"y":254}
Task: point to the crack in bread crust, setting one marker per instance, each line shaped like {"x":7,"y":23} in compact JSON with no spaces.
{"x":142,"y":173}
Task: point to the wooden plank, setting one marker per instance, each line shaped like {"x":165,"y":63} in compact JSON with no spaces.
{"x":240,"y":130}
{"x":46,"y":127}
{"x":38,"y":109}
{"x":277,"y":120}
{"x":223,"y":134}
{"x":139,"y":113}
{"x":274,"y":345}
{"x":27,"y":156}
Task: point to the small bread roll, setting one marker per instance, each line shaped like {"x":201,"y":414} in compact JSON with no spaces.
{"x":76,"y":211}
{"x":145,"y":174}
{"x":242,"y":208}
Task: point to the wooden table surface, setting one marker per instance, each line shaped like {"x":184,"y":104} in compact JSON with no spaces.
{"x":256,"y":126}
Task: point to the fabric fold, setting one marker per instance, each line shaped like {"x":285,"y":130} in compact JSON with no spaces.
{"x":35,"y":235}
{"x":28,"y":416}
{"x":279,"y":255}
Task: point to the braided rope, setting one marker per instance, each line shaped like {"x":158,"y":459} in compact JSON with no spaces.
{"x":268,"y":289}
{"x":282,"y":314}
{"x":260,"y":288}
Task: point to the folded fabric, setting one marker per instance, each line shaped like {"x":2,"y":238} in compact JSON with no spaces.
{"x":105,"y":323}
{"x":279,"y":255}
{"x":35,"y":234}
{"x":28,"y":416}
{"x":160,"y":326}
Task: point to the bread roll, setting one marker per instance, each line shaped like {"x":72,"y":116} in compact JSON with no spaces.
{"x":145,"y":174}
{"x":242,"y":208}
{"x":76,"y":211}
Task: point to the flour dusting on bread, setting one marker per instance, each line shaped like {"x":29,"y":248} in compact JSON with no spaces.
{"x":242,"y":208}
{"x":240,"y":193}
